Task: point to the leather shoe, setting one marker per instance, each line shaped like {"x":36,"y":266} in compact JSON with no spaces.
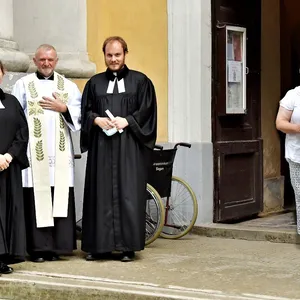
{"x":37,"y":259}
{"x":127,"y":256}
{"x":5,"y":269}
{"x":52,"y":257}
{"x":98,"y":256}
{"x":90,"y":257}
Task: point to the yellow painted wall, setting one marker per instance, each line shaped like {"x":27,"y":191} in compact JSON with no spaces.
{"x":143,"y":24}
{"x":270,"y":85}
{"x":80,"y":83}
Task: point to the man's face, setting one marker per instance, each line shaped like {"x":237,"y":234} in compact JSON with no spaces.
{"x":46,"y":61}
{"x":114,"y":56}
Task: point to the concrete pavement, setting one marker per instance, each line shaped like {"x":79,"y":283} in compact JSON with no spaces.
{"x":194,"y":267}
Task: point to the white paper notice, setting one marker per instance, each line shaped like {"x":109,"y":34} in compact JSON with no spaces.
{"x":234,"y":71}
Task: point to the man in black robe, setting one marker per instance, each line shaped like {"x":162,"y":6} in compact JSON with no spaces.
{"x":116,"y":171}
{"x":13,"y":146}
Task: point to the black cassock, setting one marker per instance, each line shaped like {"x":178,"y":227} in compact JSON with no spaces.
{"x":13,"y":140}
{"x":116,"y":171}
{"x":60,"y":239}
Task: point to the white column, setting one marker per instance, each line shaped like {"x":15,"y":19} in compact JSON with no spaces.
{"x":189,"y":100}
{"x":13,"y":59}
{"x":62,"y":24}
{"x":189,"y":24}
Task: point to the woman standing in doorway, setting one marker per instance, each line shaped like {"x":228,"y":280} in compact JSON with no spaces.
{"x":13,"y":146}
{"x":288,"y":121}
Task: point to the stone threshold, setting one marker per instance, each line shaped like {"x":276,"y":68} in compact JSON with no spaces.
{"x":250,"y":233}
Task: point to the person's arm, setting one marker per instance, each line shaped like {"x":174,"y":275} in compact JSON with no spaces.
{"x":19,"y":146}
{"x":73,"y":112}
{"x":283,"y":121}
{"x":285,"y":111}
{"x":70,"y":111}
{"x":67,"y":117}
{"x":19,"y":92}
{"x":143,"y":122}
{"x":88,"y":117}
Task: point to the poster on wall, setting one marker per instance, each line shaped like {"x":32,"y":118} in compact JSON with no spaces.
{"x":235,"y":70}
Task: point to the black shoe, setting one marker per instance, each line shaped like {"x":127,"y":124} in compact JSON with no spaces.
{"x":90,"y":257}
{"x":51,"y":257}
{"x":37,"y":259}
{"x":98,"y":256}
{"x":5,"y":269}
{"x":127,"y":256}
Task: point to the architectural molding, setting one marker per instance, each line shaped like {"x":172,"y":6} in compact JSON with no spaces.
{"x":12,"y":58}
{"x":61,"y":24}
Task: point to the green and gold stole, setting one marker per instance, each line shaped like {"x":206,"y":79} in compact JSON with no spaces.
{"x":45,"y":211}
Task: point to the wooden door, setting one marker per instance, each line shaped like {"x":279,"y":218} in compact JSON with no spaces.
{"x":238,"y":152}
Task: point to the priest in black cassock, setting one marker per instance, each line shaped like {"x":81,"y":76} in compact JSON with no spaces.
{"x":119,"y":148}
{"x":13,"y":146}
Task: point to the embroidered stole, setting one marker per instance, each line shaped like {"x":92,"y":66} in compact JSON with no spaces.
{"x":45,"y":211}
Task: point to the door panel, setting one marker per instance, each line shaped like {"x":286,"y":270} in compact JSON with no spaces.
{"x":237,"y":140}
{"x":239,"y":184}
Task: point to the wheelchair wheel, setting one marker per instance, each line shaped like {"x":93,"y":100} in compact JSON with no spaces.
{"x":155,"y":215}
{"x":181,"y":210}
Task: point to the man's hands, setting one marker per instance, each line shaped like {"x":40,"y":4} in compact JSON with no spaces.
{"x":5,"y":160}
{"x":106,"y":123}
{"x":54,"y":104}
{"x":120,"y":123}
{"x":8,"y":157}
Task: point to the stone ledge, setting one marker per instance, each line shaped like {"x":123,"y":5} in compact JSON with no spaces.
{"x":8,"y":44}
{"x":247,"y":233}
{"x":14,"y":60}
{"x":35,"y":285}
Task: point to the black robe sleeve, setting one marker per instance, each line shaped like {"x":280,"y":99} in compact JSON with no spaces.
{"x":67,"y":116}
{"x":143,"y":122}
{"x":87,"y":116}
{"x":18,"y":148}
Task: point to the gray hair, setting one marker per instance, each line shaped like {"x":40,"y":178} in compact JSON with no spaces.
{"x":46,"y":47}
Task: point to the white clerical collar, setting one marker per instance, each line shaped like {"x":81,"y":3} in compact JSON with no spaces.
{"x":1,"y":105}
{"x":111,"y":85}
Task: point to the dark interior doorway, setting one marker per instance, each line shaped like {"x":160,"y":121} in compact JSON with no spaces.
{"x":290,"y":75}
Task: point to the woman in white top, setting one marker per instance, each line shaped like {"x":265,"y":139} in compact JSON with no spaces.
{"x":288,"y":121}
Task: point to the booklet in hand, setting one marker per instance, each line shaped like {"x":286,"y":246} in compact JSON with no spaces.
{"x":111,"y":131}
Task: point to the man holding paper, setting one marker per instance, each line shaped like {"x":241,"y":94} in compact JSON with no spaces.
{"x":119,"y":125}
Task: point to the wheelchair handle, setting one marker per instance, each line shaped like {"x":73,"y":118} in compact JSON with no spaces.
{"x":159,"y":147}
{"x":188,"y":145}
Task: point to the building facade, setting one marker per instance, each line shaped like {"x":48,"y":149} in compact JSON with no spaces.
{"x":177,"y":43}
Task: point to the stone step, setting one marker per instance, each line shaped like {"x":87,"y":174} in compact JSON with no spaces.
{"x":23,"y":285}
{"x":250,"y":233}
